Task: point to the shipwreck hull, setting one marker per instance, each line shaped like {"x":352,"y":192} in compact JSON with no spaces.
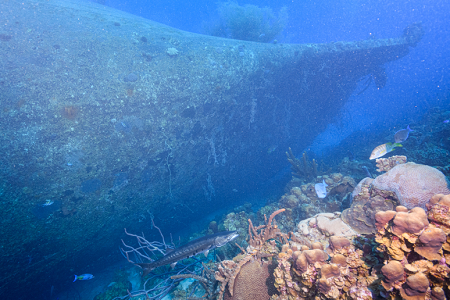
{"x":115,"y":118}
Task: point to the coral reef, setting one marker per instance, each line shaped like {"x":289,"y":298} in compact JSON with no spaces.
{"x":319,"y":228}
{"x":246,"y":276}
{"x":118,"y":287}
{"x":303,"y":168}
{"x":410,"y":185}
{"x":413,"y":184}
{"x":325,"y":258}
{"x":416,"y":246}
{"x":237,"y":221}
{"x":307,"y":273}
{"x":303,"y":200}
{"x":356,"y":168}
{"x":385,"y":164}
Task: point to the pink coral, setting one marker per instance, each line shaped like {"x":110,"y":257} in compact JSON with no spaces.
{"x":413,"y":184}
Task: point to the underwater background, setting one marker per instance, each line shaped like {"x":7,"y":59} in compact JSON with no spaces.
{"x":110,"y":120}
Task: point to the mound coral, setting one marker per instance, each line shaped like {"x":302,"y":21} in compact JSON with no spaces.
{"x":413,"y":184}
{"x":366,"y":203}
{"x":308,"y":274}
{"x":408,"y":185}
{"x":319,"y":228}
{"x":417,"y":250}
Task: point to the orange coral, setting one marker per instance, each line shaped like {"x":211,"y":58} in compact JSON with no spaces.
{"x":385,"y":164}
{"x":439,"y":212}
{"x":337,"y":242}
{"x":392,"y":272}
{"x":416,"y":265}
{"x":246,"y":279}
{"x":430,"y":243}
{"x":383,"y":217}
{"x":308,"y":275}
{"x":410,"y":222}
{"x":415,"y":287}
{"x":309,"y":258}
{"x":267,"y":231}
{"x":331,"y":270}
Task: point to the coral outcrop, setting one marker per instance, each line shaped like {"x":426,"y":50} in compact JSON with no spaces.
{"x":413,"y":184}
{"x":408,"y":185}
{"x":246,"y":277}
{"x":416,"y":246}
{"x":304,"y":202}
{"x":408,"y":258}
{"x":385,"y":164}
{"x":319,"y":228}
{"x":308,"y":274}
{"x":366,"y":203}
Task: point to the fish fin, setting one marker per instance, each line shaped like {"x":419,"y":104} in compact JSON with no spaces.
{"x":75,"y":278}
{"x":168,"y":250}
{"x":206,"y":253}
{"x":147,"y":268}
{"x":173,"y":264}
{"x":398,"y":145}
{"x":409,"y":129}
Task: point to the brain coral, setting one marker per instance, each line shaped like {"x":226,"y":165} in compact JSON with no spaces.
{"x":413,"y":184}
{"x":253,"y":282}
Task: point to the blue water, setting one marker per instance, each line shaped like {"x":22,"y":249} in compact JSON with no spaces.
{"x":416,"y":85}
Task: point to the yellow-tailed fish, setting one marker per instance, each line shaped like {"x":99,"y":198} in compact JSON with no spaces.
{"x":383,"y":149}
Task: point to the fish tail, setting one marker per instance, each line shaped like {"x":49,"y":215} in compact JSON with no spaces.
{"x":76,"y":277}
{"x":147,"y":268}
{"x":397,"y":145}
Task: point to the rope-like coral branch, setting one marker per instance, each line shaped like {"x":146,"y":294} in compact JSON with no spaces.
{"x":273,"y":215}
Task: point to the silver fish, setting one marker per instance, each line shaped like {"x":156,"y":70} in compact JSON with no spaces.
{"x":192,"y":248}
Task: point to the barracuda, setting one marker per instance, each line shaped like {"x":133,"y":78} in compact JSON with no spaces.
{"x":197,"y":246}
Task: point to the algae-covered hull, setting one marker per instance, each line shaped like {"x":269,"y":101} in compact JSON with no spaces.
{"x":115,"y":119}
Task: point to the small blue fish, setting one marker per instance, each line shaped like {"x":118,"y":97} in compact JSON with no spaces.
{"x":83,"y":277}
{"x":402,"y":135}
{"x":262,"y":35}
{"x":446,"y":121}
{"x":321,"y":189}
